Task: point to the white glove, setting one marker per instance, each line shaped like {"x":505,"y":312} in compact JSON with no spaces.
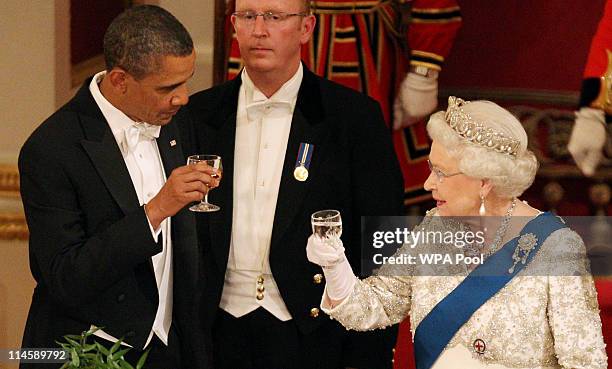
{"x":329,"y":254}
{"x":588,"y":138}
{"x":416,"y":98}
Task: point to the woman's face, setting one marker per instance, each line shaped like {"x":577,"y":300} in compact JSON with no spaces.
{"x":455,"y":193}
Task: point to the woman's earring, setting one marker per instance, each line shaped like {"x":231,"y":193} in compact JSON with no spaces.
{"x":482,"y":211}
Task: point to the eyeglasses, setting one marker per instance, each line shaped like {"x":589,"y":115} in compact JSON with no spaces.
{"x":270,"y":18}
{"x":439,"y":173}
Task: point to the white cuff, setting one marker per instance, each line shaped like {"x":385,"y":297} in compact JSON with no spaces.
{"x":155,"y":233}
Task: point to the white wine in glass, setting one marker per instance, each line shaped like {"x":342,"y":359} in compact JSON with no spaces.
{"x":213,"y":161}
{"x":327,"y":225}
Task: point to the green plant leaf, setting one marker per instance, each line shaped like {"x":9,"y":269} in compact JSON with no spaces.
{"x":74,"y":343}
{"x":115,"y":347}
{"x":121,"y":353}
{"x":75,"y":358}
{"x":99,"y":361}
{"x":126,"y":365}
{"x":142,"y":359}
{"x":88,"y":347}
{"x":73,"y":336}
{"x":85,"y":355}
{"x":91,"y":357}
{"x":102,"y":349}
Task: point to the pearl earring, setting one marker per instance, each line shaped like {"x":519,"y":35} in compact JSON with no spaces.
{"x":482,"y":211}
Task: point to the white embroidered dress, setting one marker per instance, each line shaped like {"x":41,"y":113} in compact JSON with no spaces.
{"x":538,"y":320}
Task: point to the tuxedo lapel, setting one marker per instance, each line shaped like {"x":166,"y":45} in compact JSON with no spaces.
{"x":307,"y":126}
{"x":107,"y":159}
{"x":222,"y":143}
{"x":101,"y":147}
{"x":170,"y":148}
{"x":184,"y":241}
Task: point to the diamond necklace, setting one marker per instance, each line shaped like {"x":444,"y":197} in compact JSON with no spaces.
{"x":499,"y":235}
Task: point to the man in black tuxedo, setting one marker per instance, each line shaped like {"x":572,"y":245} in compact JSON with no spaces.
{"x":104,"y":187}
{"x":292,"y":143}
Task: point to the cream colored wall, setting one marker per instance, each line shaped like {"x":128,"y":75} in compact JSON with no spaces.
{"x":35,"y":81}
{"x":16,"y":287}
{"x":198,"y":18}
{"x":35,"y":61}
{"x":27,"y":62}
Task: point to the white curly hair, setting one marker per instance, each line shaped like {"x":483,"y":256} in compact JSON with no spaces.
{"x":510,"y":176}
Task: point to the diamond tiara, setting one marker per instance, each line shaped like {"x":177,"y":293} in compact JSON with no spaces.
{"x":462,"y":123}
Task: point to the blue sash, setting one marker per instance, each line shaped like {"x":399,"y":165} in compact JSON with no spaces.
{"x":437,"y":329}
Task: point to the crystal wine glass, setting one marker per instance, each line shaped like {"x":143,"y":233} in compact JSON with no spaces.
{"x":213,"y":161}
{"x":327,"y":225}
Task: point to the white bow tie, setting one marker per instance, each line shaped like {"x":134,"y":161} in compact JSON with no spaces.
{"x":257,"y":109}
{"x":140,"y":131}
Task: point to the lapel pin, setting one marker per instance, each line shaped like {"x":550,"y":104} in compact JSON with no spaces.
{"x":302,"y":163}
{"x":172,"y":143}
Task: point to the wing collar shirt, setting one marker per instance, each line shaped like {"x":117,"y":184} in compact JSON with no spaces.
{"x":138,"y":146}
{"x":262,"y":131}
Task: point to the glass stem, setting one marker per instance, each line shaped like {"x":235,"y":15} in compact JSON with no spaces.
{"x":205,"y":201}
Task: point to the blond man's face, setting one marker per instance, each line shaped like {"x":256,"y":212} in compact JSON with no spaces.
{"x":272,"y":47}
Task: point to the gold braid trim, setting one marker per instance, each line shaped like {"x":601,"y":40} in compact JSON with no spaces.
{"x":9,"y":179}
{"x":604,"y":99}
{"x":12,"y":225}
{"x":348,"y":7}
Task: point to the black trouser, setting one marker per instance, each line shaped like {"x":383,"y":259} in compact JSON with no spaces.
{"x":259,"y":340}
{"x":160,"y":356}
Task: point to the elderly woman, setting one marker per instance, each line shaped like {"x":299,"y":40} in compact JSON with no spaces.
{"x":511,"y":311}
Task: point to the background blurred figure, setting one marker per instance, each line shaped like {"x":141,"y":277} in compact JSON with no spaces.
{"x":590,"y":136}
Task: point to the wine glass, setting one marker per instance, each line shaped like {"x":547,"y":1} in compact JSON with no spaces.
{"x":327,"y":225}
{"x":213,"y":161}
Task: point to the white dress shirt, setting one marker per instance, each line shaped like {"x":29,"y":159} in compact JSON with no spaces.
{"x":143,"y":161}
{"x":262,"y":131}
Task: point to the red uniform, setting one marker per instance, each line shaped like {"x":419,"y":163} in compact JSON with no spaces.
{"x":369,"y":46}
{"x":592,"y":90}
{"x":597,"y":64}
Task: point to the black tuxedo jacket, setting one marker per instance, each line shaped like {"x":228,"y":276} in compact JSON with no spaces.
{"x":354,"y":170}
{"x":90,"y":241}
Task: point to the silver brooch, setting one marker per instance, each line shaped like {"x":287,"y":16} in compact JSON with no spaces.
{"x":525,"y":244}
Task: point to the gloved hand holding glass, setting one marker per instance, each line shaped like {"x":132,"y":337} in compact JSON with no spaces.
{"x":325,"y":248}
